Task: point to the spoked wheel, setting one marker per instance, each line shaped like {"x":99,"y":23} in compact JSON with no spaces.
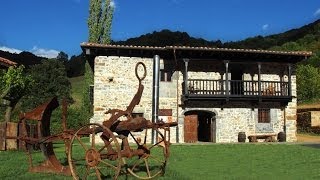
{"x":94,"y":153}
{"x":153,"y":160}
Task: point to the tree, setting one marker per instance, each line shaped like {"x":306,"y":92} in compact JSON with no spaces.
{"x":14,"y":85}
{"x":62,"y":56}
{"x":50,"y":79}
{"x":76,"y":66}
{"x":100,"y":20}
{"x":86,"y":99}
{"x":99,"y":25}
{"x":308,"y":83}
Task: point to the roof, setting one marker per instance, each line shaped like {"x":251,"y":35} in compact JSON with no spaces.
{"x":180,"y":52}
{"x":6,"y":62}
{"x":299,"y":53}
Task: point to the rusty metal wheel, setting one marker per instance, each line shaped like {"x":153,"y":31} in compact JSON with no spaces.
{"x":94,"y":153}
{"x":153,"y":161}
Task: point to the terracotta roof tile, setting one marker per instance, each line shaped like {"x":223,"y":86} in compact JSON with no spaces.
{"x":7,"y":62}
{"x":297,"y":53}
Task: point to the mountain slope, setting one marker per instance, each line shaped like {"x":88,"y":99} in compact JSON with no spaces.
{"x":167,"y":37}
{"x":267,"y":42}
{"x":25,"y":58}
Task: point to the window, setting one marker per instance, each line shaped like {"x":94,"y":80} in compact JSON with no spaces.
{"x":165,"y":75}
{"x":135,"y":115}
{"x":263,"y":115}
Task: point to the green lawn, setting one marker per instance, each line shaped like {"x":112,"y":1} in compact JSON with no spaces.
{"x":216,"y":161}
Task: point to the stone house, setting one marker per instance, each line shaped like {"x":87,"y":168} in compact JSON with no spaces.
{"x":213,"y":93}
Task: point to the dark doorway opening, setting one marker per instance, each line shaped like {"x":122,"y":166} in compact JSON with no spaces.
{"x":205,"y":130}
{"x":236,"y":85}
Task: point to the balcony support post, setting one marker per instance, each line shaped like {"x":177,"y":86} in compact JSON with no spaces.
{"x":227,"y":80}
{"x":252,"y":84}
{"x":259,"y":80}
{"x":185,"y":77}
{"x":289,"y":80}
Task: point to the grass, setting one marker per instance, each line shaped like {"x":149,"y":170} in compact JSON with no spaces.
{"x":247,"y":161}
{"x":214,"y":161}
{"x":77,"y":84}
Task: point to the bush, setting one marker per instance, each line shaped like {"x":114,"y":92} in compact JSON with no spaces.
{"x":50,"y":79}
{"x":308,"y":83}
{"x":75,"y":120}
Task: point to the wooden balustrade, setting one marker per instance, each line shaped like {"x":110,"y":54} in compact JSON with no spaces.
{"x":237,"y":88}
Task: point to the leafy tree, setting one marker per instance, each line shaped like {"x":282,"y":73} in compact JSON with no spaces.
{"x":50,"y":79}
{"x":62,"y":56}
{"x":14,"y":85}
{"x":99,"y":22}
{"x":88,"y":78}
{"x":76,"y":66}
{"x":308,"y":82}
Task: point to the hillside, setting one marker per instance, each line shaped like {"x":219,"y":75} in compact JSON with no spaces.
{"x":305,"y":38}
{"x":167,"y":37}
{"x":25,"y":58}
{"x":267,"y":42}
{"x":77,"y":86}
{"x":74,"y":66}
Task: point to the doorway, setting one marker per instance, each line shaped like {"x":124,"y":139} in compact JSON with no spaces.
{"x":199,"y":126}
{"x":236,"y":84}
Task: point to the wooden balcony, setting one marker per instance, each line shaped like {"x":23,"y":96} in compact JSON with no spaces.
{"x":237,"y":90}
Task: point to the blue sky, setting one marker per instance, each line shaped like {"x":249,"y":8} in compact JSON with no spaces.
{"x":46,"y":27}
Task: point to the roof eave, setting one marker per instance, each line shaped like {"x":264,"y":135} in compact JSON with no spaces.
{"x":106,"y":48}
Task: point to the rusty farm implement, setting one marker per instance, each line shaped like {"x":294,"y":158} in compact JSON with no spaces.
{"x":119,"y":146}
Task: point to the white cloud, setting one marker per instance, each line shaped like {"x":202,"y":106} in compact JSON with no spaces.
{"x":48,"y":53}
{"x":265,"y":27}
{"x":317,"y":13}
{"x":11,"y":50}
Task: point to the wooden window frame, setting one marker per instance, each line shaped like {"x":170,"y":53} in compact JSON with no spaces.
{"x":165,"y":76}
{"x":135,"y":115}
{"x":264,"y":116}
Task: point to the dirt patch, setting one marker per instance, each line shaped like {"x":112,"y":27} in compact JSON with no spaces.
{"x":308,"y":138}
{"x":309,"y":106}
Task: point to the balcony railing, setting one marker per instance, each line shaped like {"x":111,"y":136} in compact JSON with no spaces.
{"x":237,"y":88}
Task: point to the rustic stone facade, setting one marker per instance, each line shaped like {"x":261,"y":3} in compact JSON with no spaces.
{"x":115,"y":84}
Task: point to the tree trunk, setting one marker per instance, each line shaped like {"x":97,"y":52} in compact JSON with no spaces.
{"x":9,"y":109}
{"x":7,"y":116}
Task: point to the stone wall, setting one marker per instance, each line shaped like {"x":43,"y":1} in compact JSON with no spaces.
{"x":115,"y":84}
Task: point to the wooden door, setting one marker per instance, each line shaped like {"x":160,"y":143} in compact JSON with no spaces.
{"x":191,"y":128}
{"x":213,"y":130}
{"x":236,"y":86}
